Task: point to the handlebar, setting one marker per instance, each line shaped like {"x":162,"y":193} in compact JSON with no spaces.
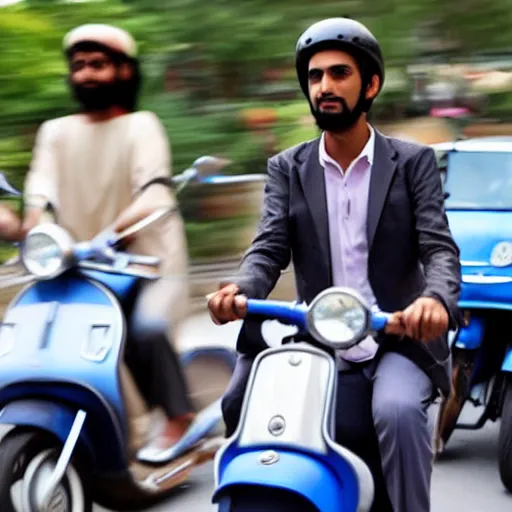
{"x":296,"y":313}
{"x":379,"y":320}
{"x":102,"y":256}
{"x":83,"y":251}
{"x":288,"y":311}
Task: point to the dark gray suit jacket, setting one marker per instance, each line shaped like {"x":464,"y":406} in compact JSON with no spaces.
{"x":411,"y":250}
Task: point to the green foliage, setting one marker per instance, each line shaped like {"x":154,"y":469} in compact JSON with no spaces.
{"x":194,"y":131}
{"x":219,"y":238}
{"x":218,"y":52}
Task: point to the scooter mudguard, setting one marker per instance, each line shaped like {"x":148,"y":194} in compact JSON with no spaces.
{"x":507,"y":361}
{"x":296,"y":472}
{"x":100,"y":437}
{"x":471,"y":336}
{"x":56,"y":419}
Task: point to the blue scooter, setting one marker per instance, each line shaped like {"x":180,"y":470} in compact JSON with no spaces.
{"x":282,"y":455}
{"x":65,"y":390}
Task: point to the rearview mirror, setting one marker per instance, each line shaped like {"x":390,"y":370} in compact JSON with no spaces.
{"x":209,"y":165}
{"x":6,"y":187}
{"x":203,"y":167}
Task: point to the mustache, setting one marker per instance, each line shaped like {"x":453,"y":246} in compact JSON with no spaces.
{"x":329,"y":99}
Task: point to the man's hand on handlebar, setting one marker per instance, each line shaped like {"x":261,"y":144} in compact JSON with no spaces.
{"x":226,"y":305}
{"x":395,"y":324}
{"x":424,"y":320}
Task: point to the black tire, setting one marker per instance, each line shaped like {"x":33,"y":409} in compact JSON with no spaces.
{"x":505,"y":439}
{"x":17,"y":451}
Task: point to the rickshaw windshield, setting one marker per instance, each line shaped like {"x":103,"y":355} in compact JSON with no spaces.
{"x":479,"y":180}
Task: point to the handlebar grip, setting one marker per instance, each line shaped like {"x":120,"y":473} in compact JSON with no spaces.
{"x":257,"y":307}
{"x":380,"y":320}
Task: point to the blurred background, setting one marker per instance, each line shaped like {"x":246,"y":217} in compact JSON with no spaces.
{"x":220,"y":75}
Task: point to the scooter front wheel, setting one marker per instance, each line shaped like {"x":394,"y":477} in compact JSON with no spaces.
{"x":27,"y":461}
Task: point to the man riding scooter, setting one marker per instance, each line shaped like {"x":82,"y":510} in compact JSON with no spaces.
{"x":354,"y":208}
{"x":104,"y":168}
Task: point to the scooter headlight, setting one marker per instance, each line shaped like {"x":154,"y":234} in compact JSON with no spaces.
{"x":339,"y":318}
{"x":47,"y":251}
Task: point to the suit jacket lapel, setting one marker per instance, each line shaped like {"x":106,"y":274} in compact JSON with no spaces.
{"x":383,"y":169}
{"x":313,"y":184}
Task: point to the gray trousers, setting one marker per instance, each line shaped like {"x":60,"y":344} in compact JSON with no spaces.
{"x":402,"y":394}
{"x":382,"y":416}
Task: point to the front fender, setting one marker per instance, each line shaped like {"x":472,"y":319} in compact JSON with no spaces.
{"x":56,"y":419}
{"x":507,"y":361}
{"x":298,"y":473}
{"x":53,"y":406}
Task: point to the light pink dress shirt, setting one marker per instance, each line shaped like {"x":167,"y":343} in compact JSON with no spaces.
{"x":347,"y":205}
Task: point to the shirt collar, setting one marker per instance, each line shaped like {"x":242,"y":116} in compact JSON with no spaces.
{"x":367,"y":152}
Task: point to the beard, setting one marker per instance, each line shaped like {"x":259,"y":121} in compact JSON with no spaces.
{"x":337,"y":122}
{"x":96,"y":99}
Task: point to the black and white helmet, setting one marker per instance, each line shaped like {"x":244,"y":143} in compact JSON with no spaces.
{"x":339,"y":34}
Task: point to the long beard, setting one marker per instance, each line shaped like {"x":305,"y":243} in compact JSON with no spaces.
{"x":338,"y":122}
{"x":95,"y":99}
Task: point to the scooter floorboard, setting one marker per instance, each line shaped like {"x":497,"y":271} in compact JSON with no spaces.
{"x":176,"y":472}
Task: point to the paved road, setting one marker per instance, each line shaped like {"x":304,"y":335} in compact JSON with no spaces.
{"x":466,"y":479}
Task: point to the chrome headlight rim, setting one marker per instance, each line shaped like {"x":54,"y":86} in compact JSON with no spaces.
{"x":315,"y":332}
{"x":62,"y":239}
